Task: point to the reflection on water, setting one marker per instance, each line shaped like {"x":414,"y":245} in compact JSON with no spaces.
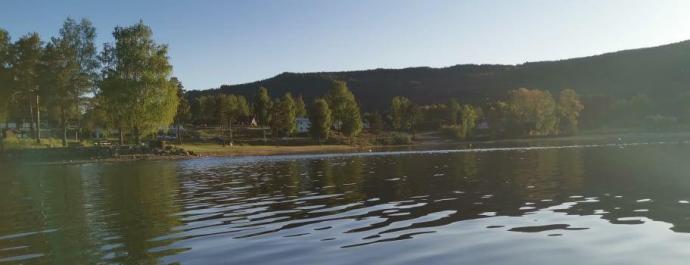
{"x":609,"y":204}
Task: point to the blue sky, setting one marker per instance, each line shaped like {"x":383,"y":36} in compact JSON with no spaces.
{"x":229,"y":42}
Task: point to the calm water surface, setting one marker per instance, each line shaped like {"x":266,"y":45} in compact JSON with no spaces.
{"x":595,"y":204}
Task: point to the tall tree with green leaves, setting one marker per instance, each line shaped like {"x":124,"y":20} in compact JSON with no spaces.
{"x":453,"y":112}
{"x":54,"y":72}
{"x":533,"y":112}
{"x":320,"y":118}
{"x":300,"y":108}
{"x":5,"y":81}
{"x":352,"y":123}
{"x":183,"y":113}
{"x":344,"y":109}
{"x":26,"y":60}
{"x":232,"y":107}
{"x":136,"y":85}
{"x":5,"y":75}
{"x":569,"y":108}
{"x":262,"y":106}
{"x":68,"y":71}
{"x":404,"y":113}
{"x":468,"y":120}
{"x":398,"y":109}
{"x":376,"y":124}
{"x":79,"y":39}
{"x":284,"y":117}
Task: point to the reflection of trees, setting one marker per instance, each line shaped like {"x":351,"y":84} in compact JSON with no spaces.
{"x":140,"y":205}
{"x":52,"y":202}
{"x":546,"y":174}
{"x":338,"y":177}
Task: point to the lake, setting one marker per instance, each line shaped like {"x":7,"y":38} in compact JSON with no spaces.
{"x":620,"y":203}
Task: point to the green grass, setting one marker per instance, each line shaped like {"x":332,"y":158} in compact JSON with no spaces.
{"x":13,"y":143}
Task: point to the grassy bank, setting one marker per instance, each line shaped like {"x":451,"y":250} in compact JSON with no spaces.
{"x":209,"y":149}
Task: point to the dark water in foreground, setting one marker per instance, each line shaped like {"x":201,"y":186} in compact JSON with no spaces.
{"x":610,"y":204}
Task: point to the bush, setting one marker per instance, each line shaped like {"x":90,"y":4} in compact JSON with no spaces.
{"x":401,"y":138}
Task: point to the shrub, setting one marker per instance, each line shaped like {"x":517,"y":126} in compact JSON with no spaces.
{"x":401,"y":138}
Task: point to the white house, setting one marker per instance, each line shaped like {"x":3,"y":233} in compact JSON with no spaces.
{"x":303,"y":124}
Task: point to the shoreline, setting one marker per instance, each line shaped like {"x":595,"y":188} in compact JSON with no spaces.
{"x":201,"y":150}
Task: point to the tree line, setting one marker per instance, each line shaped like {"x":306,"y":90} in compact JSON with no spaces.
{"x":67,"y":82}
{"x":337,"y":110}
{"x":128,"y":87}
{"x":524,"y":112}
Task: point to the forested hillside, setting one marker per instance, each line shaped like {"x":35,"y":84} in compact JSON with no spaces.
{"x":661,"y":73}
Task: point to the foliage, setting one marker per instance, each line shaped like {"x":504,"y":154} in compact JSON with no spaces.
{"x":630,"y":112}
{"x":453,"y":112}
{"x":262,"y":106}
{"x":96,"y":116}
{"x":344,"y":109}
{"x":183,"y":113}
{"x":68,"y":71}
{"x":533,"y":112}
{"x":401,"y":138}
{"x":5,"y":75}
{"x":376,"y":125}
{"x":352,"y":123}
{"x":26,"y":60}
{"x":468,"y":120}
{"x":497,"y":115}
{"x":569,"y":109}
{"x":222,"y":109}
{"x":403,"y":113}
{"x":138,"y":93}
{"x":320,"y":117}
{"x":300,"y":108}
{"x":283,"y":117}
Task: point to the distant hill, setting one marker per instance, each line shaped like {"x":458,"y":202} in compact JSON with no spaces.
{"x":659,"y":72}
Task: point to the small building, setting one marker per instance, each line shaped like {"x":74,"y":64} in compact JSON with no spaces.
{"x":248,"y":121}
{"x":303,"y":124}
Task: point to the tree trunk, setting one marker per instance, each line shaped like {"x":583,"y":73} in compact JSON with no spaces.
{"x":38,"y":120}
{"x":122,"y":137}
{"x":64,"y":126}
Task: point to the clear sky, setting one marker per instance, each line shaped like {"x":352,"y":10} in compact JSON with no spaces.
{"x":214,"y":42}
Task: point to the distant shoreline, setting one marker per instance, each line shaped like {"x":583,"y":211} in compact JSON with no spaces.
{"x":200,"y":150}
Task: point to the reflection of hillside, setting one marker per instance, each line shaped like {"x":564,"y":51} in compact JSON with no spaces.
{"x":641,"y":181}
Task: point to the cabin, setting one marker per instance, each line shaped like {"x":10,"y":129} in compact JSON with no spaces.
{"x":303,"y":124}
